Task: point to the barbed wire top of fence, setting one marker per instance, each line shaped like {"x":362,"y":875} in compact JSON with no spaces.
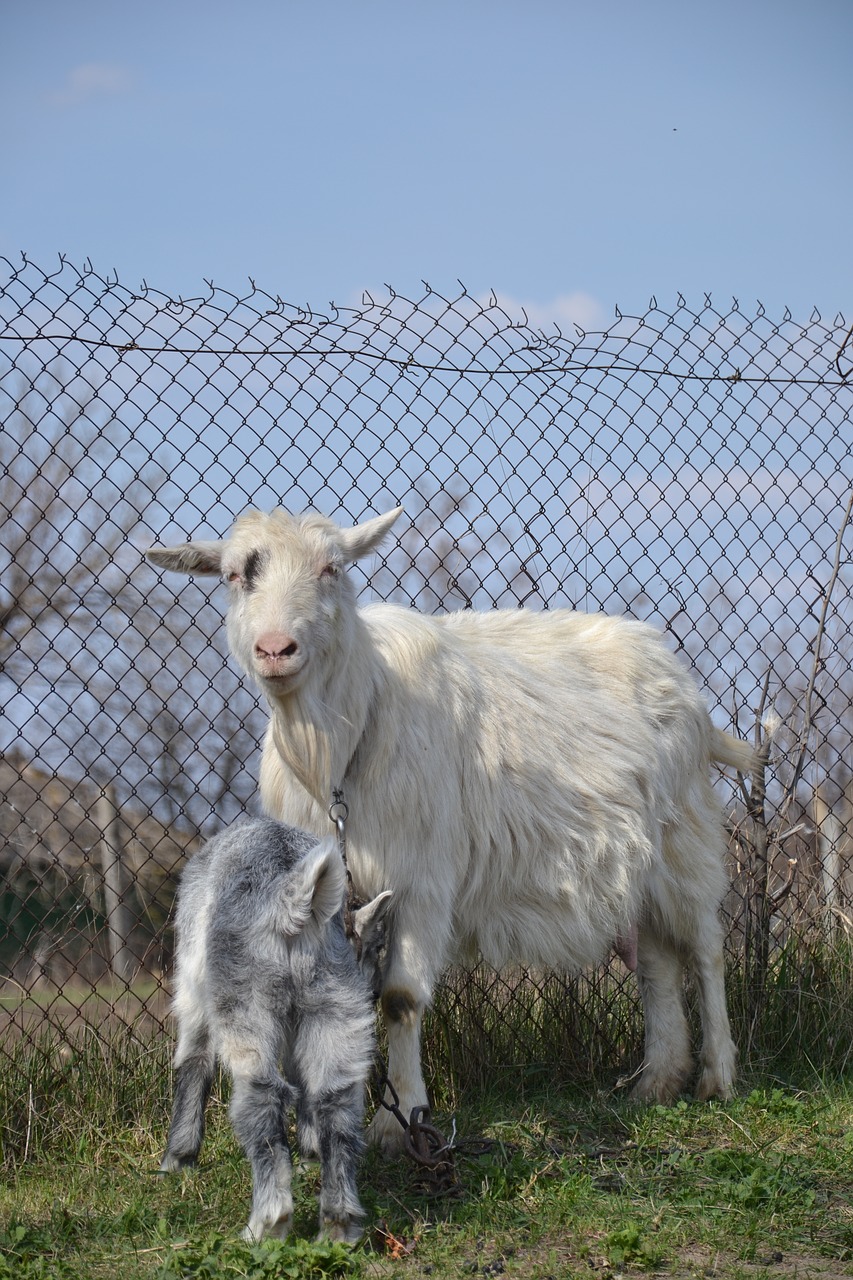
{"x":432,"y":334}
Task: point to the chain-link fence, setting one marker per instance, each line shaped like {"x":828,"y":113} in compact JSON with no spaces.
{"x":689,"y":466}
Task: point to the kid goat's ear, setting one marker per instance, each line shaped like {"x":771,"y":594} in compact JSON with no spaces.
{"x":318,"y":883}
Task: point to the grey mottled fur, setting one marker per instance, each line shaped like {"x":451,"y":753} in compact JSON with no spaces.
{"x":267,"y":983}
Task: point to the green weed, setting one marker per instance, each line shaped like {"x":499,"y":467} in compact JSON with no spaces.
{"x":217,"y":1257}
{"x":631,"y":1246}
{"x":33,"y":1253}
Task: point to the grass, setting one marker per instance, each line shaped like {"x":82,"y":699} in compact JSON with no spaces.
{"x":558,"y":1174}
{"x":552,"y":1181}
{"x":75,"y":996}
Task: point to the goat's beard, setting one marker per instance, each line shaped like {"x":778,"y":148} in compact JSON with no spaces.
{"x":301,"y":737}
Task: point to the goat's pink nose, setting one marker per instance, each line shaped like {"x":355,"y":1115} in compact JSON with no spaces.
{"x":275,"y":645}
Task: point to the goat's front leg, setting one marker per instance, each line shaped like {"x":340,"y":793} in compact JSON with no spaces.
{"x":403,"y":1008}
{"x":194,"y":1067}
{"x":417,"y":947}
{"x":257,"y":1111}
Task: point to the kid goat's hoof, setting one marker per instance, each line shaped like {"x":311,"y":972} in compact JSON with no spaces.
{"x":340,"y":1232}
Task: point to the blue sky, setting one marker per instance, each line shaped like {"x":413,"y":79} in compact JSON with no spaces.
{"x":568,"y":156}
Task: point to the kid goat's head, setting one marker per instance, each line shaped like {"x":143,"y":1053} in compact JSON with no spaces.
{"x":286,"y":581}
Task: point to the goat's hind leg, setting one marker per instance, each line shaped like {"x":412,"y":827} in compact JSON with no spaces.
{"x":194,"y":1067}
{"x":307,"y":1139}
{"x":718,"y":1056}
{"x":667,"y":1062}
{"x":338,"y":1116}
{"x":258,"y":1114}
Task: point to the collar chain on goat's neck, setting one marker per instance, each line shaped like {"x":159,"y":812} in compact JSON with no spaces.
{"x":339,"y":812}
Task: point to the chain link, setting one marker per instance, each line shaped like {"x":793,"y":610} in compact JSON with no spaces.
{"x":689,"y":466}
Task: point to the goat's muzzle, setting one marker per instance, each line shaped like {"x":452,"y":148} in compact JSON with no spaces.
{"x":278,"y":657}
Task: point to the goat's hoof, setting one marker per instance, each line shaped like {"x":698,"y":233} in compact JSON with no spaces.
{"x":346,"y":1231}
{"x":278,"y":1230}
{"x":715,"y":1084}
{"x":655,"y":1089}
{"x":174,"y":1164}
{"x":387,"y":1134}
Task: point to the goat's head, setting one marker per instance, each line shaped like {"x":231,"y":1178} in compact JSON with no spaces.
{"x":289,"y":594}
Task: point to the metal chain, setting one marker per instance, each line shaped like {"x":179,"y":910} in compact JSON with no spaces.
{"x":422,"y":1141}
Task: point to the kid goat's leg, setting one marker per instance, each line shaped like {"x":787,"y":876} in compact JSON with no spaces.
{"x":338,"y":1116}
{"x":194,"y":1066}
{"x":258,"y":1107}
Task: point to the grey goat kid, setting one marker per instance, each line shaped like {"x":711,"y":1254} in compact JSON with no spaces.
{"x":266,"y":979}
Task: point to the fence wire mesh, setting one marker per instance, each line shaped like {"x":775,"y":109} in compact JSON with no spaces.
{"x":688,"y":466}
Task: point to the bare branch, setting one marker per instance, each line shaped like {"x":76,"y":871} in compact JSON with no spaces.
{"x":807,"y":708}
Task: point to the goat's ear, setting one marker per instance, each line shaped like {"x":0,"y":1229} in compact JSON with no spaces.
{"x":366,"y":537}
{"x":190,"y":557}
{"x":317,"y":883}
{"x":368,"y":918}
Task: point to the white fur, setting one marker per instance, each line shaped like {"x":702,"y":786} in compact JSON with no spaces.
{"x":530,"y":785}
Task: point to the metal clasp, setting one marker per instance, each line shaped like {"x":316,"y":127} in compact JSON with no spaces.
{"x":339,"y":812}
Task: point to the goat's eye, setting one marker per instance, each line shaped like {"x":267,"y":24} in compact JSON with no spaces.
{"x":235,"y":579}
{"x":329,"y":571}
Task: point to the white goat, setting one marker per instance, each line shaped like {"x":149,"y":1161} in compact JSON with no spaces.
{"x":265,"y":977}
{"x":530,"y":785}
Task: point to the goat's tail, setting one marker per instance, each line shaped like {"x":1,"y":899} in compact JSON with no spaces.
{"x":734,"y":753}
